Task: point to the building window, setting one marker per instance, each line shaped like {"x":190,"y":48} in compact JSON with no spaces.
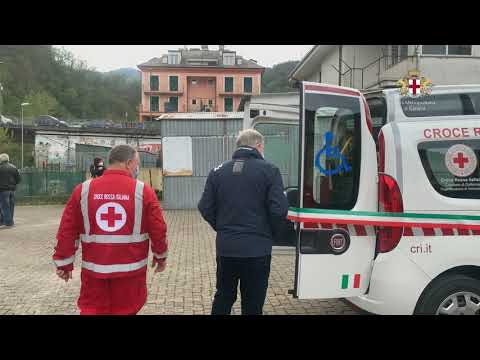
{"x":154,"y":83}
{"x":174,"y":58}
{"x":398,"y":53}
{"x":154,"y":104}
{"x":194,"y":102}
{"x":172,"y":104}
{"x":434,"y":49}
{"x":194,"y":82}
{"x":210,"y":82}
{"x":228,"y":104}
{"x":447,"y":49}
{"x":228,"y":58}
{"x":394,"y":54}
{"x":229,"y":84}
{"x":247,"y":84}
{"x":210,"y":102}
{"x":173,"y":83}
{"x":459,"y":49}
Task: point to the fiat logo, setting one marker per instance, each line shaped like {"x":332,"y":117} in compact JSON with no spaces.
{"x":338,"y":242}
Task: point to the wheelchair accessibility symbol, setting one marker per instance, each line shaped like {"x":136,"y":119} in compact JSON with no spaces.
{"x":331,"y":153}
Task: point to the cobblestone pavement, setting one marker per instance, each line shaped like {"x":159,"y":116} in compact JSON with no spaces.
{"x":28,"y":284}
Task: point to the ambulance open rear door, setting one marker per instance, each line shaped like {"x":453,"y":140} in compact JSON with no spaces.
{"x":338,"y":174}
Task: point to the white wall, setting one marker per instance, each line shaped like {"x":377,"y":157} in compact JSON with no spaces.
{"x":58,"y":148}
{"x":440,"y":69}
{"x":329,"y":74}
{"x":356,"y":56}
{"x":451,"y":70}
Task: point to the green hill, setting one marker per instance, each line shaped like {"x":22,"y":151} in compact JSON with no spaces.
{"x":275,"y":79}
{"x":58,"y":84}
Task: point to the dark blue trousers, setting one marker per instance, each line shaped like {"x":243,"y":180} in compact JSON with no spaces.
{"x":7,"y":207}
{"x":252,"y":274}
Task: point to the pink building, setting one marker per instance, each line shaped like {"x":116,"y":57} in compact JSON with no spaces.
{"x":194,"y":80}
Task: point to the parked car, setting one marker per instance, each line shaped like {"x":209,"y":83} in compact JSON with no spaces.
{"x":103,"y":124}
{"x":5,"y":121}
{"x":50,"y":121}
{"x":77,"y":125}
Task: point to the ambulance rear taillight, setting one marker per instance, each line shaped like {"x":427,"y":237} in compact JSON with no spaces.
{"x":389,"y":201}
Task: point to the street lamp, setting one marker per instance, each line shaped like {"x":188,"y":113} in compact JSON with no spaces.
{"x":22,"y":105}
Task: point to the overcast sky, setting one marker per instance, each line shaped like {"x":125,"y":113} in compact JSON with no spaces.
{"x":110,"y":57}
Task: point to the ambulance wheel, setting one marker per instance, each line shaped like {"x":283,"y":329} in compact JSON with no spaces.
{"x":451,"y":295}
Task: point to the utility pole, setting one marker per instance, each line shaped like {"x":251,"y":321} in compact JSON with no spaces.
{"x":22,"y":105}
{"x":1,"y":91}
{"x":340,"y":60}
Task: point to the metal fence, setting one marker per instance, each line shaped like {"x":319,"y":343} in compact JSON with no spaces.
{"x":42,"y":184}
{"x":184,"y":192}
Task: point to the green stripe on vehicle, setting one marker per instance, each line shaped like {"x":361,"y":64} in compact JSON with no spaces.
{"x":377,"y":214}
{"x":344,"y":281}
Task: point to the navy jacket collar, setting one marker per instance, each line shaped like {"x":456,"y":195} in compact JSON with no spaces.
{"x":247,"y":152}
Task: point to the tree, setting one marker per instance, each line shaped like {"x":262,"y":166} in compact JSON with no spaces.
{"x":14,"y":150}
{"x":275,"y":79}
{"x":63,"y":86}
{"x":42,"y":103}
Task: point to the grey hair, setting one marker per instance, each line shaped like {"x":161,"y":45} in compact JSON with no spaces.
{"x":4,"y":158}
{"x":121,"y":154}
{"x":249,"y":137}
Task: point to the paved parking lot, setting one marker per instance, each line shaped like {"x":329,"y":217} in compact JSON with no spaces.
{"x":28,"y":284}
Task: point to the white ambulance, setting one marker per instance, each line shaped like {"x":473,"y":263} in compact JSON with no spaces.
{"x":385,"y":197}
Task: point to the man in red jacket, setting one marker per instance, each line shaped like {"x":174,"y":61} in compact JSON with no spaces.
{"x":113,"y":216}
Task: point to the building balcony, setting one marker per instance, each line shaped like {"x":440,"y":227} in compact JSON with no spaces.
{"x":163,"y":92}
{"x":202,"y":105}
{"x":234,"y":93}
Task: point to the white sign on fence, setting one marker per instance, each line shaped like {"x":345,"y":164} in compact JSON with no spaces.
{"x":177,"y":156}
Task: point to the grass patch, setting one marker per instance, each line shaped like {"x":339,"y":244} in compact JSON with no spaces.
{"x":42,"y":200}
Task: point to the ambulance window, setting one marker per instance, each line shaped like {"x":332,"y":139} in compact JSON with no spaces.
{"x":332,"y":156}
{"x":378,"y":113}
{"x":453,"y":167}
{"x":441,"y":105}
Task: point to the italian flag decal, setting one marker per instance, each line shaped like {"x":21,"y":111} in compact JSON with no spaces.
{"x":350,"y":282}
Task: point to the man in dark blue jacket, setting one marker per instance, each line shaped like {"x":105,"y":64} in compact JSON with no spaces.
{"x":244,"y":203}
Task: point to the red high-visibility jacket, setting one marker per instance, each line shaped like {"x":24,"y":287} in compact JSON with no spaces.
{"x":113,"y":216}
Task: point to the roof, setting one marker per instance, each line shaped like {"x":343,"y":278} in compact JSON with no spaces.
{"x":280,"y":99}
{"x":201,"y":116}
{"x":310,"y":62}
{"x":202,"y":55}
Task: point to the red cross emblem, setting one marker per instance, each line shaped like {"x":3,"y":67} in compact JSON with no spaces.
{"x":460,"y":160}
{"x":414,"y":85}
{"x":111,"y":216}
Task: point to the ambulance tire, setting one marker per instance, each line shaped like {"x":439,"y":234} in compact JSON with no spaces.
{"x":442,"y":289}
